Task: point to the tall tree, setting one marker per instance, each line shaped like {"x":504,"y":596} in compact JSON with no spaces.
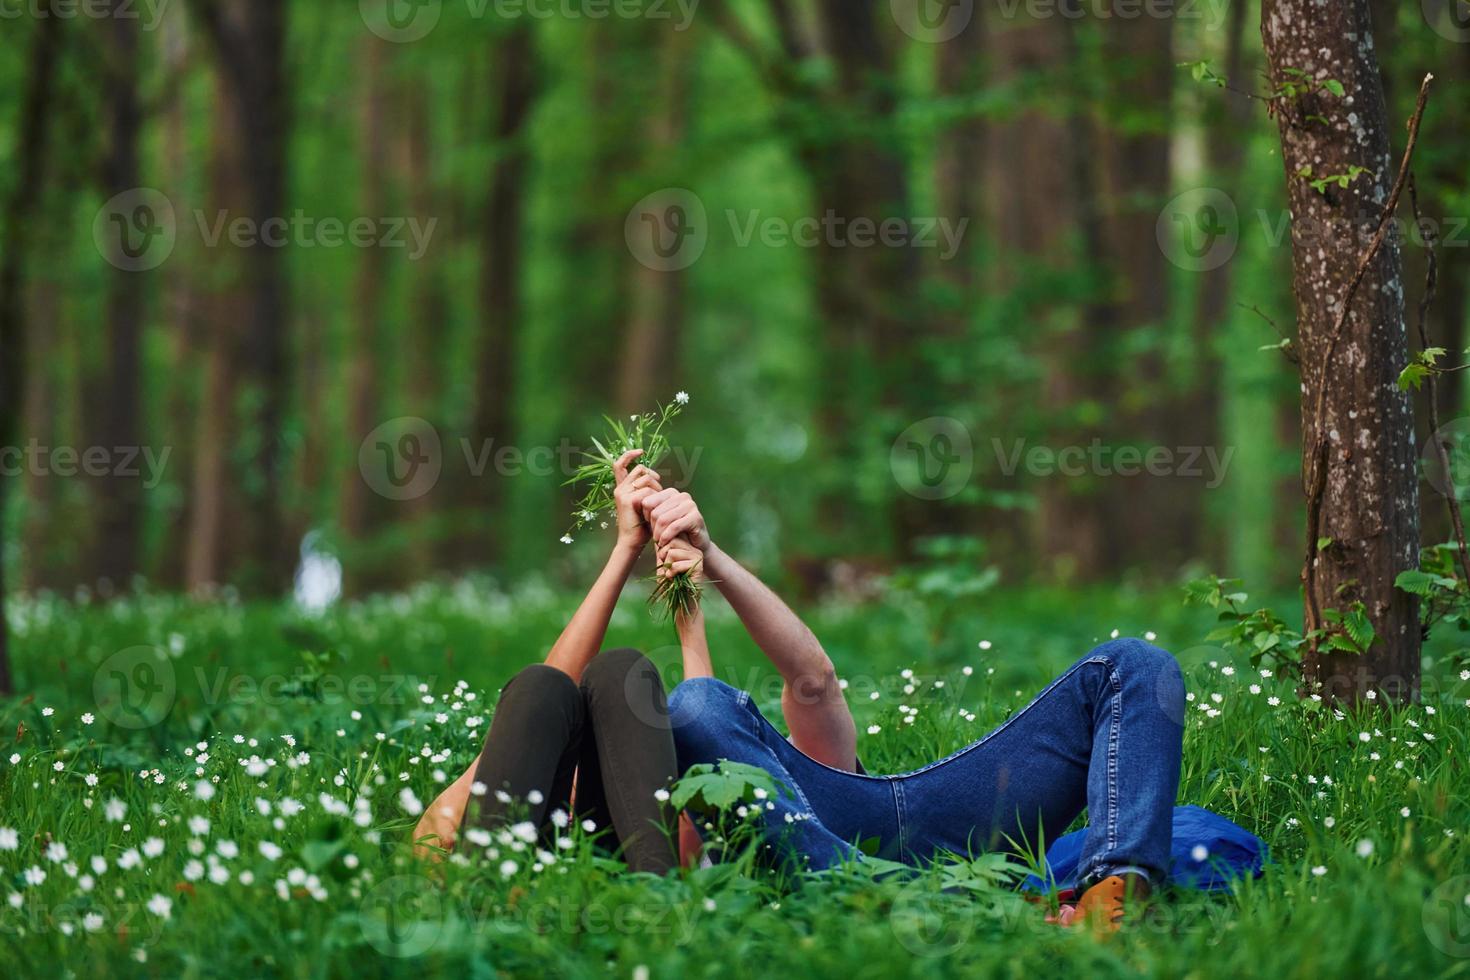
{"x":501,"y":288}
{"x":1039,"y":190}
{"x":366,"y":335}
{"x":117,"y":419}
{"x":20,"y":206}
{"x":248,"y":39}
{"x":650,"y":354}
{"x":1358,"y":442}
{"x":835,"y":80}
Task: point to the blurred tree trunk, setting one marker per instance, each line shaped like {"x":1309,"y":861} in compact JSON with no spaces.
{"x":430,"y":337}
{"x":118,"y":499}
{"x":39,"y":421}
{"x":181,"y":314}
{"x":1038,"y":192}
{"x":206,"y":542}
{"x":501,"y":295}
{"x":842,"y":133}
{"x":365,"y":339}
{"x":1369,"y":508}
{"x":248,"y":38}
{"x":1153,"y":521}
{"x":1227,"y":129}
{"x":649,"y":363}
{"x":20,"y":207}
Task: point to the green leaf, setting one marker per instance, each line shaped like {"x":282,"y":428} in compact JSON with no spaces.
{"x":1334,"y":86}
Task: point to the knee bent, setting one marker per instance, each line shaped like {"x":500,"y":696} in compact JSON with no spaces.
{"x":611,"y":668}
{"x":700,"y":708}
{"x":1135,"y":658}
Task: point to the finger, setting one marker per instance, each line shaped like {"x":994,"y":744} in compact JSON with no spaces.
{"x":620,"y":465}
{"x":667,"y":532}
{"x":655,"y":499}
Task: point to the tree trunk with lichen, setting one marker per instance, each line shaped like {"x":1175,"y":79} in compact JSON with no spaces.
{"x":1369,"y":504}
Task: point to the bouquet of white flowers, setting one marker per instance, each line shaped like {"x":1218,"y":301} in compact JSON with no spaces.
{"x":671,"y":594}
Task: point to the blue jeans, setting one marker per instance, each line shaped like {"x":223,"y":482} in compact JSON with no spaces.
{"x":1105,"y":734}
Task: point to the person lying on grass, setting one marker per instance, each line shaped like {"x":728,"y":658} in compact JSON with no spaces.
{"x":1106,"y":734}
{"x":583,"y":735}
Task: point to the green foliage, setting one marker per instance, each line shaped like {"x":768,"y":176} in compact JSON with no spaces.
{"x":1320,"y":184}
{"x":349,"y":897}
{"x":704,"y":788}
{"x":1260,"y":633}
{"x":1444,"y":600}
{"x":1423,"y":364}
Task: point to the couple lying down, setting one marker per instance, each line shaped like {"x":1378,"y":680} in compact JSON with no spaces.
{"x":592,"y":734}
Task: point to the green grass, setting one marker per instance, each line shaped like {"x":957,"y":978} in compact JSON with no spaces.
{"x":344,"y":896}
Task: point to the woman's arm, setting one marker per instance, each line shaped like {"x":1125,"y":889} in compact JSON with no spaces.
{"x":583,"y":635}
{"x":811,"y":700}
{"x":676,"y":557}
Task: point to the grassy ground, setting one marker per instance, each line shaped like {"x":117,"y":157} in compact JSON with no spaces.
{"x":245,"y":811}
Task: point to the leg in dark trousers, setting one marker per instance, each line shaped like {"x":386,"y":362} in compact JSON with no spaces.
{"x":533,"y":745}
{"x":627,"y":757}
{"x":612,"y":731}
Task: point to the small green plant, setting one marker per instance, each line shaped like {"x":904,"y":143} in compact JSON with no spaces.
{"x":1262,"y":634}
{"x":1321,"y":183}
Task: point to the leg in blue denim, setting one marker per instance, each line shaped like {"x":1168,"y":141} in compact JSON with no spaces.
{"x":1107,"y":734}
{"x":825,"y":810}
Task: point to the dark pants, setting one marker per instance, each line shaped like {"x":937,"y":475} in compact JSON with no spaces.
{"x":612,"y":731}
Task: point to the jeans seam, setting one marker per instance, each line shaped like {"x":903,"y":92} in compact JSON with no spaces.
{"x":1115,"y":735}
{"x":898,"y":815}
{"x":953,"y":756}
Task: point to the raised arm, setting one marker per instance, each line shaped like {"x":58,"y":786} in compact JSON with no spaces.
{"x":583,"y":635}
{"x":811,"y":698}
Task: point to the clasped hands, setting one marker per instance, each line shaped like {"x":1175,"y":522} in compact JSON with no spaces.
{"x":647,"y":511}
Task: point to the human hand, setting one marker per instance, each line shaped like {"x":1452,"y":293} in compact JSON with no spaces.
{"x":680,"y":556}
{"x":671,"y":514}
{"x":633,"y":488}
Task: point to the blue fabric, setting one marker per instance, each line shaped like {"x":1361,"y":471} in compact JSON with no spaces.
{"x":1106,"y":735}
{"x":1233,"y":852}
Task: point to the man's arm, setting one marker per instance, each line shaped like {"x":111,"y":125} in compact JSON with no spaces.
{"x":811,"y":700}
